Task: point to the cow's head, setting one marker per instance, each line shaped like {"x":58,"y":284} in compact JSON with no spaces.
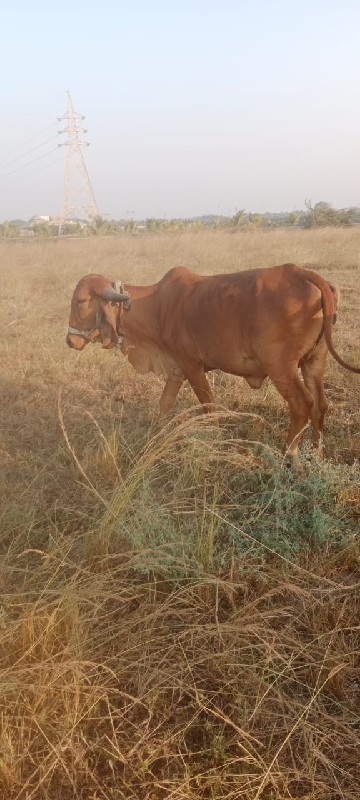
{"x":95,"y":312}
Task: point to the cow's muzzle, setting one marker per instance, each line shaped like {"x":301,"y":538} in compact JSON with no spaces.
{"x":90,"y":335}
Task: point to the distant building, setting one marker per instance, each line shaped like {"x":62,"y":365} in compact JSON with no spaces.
{"x":38,"y":220}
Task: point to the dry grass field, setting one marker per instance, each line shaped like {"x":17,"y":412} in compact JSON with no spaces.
{"x":179,"y":615}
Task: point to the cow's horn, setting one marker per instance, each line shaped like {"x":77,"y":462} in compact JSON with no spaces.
{"x":110,"y":294}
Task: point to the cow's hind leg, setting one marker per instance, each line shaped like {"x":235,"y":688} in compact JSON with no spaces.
{"x":300,"y":402}
{"x":313,"y":374}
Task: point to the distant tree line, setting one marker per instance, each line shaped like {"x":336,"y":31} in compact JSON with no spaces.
{"x":319,"y":215}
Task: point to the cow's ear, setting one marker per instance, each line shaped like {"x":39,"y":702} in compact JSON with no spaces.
{"x":107,"y":324}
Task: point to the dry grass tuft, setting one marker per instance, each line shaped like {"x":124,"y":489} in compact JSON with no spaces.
{"x":179,"y":617}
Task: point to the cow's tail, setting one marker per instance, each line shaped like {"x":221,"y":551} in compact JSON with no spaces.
{"x":329,"y":310}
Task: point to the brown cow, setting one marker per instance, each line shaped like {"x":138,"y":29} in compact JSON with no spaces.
{"x":257,"y":323}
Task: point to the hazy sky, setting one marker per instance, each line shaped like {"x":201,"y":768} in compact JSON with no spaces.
{"x":191,"y":106}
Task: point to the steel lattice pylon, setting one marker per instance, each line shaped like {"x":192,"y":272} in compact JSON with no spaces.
{"x":79,"y":199}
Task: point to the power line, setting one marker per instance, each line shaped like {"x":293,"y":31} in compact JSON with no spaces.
{"x":29,"y":139}
{"x":32,"y":150}
{"x":23,"y":166}
{"x":45,"y":166}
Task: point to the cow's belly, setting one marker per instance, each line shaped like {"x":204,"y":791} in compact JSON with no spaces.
{"x":247,"y":368}
{"x":150,"y":358}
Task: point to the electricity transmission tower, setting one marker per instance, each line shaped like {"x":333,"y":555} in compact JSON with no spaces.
{"x":79,"y":199}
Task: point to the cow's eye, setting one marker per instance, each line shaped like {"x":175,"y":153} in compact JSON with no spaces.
{"x":80,"y":302}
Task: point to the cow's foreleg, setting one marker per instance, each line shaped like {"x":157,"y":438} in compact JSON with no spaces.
{"x":168,"y":397}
